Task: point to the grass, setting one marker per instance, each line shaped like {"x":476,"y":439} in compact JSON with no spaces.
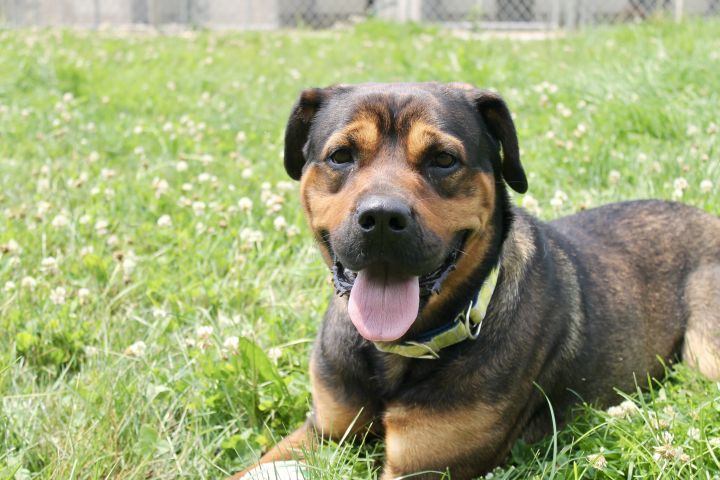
{"x":143,"y":200}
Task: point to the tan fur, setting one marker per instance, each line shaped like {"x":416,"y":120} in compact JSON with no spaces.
{"x":702,"y":339}
{"x":517,"y":251}
{"x":417,"y":438}
{"x":332,"y":418}
{"x":423,"y":136}
{"x":362,"y":133}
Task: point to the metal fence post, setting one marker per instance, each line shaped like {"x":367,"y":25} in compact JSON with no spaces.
{"x":679,"y":7}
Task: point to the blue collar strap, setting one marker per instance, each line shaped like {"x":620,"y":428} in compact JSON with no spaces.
{"x":466,"y":325}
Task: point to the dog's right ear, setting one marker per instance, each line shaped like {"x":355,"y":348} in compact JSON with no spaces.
{"x":298,"y":128}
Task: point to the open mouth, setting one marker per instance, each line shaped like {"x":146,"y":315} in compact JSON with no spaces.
{"x":384,"y":304}
{"x":429,"y":284}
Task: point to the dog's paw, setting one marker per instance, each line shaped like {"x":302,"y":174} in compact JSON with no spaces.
{"x":287,"y":470}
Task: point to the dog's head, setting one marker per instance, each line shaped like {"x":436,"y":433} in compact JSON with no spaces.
{"x":402,"y":185}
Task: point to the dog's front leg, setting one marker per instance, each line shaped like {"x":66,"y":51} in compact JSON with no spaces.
{"x":334,"y":416}
{"x":291,"y":447}
{"x":466,"y":441}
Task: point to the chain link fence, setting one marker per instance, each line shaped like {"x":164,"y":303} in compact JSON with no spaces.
{"x":269,"y":14}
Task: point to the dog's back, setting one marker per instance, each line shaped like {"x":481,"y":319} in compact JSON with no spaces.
{"x":649,"y":273}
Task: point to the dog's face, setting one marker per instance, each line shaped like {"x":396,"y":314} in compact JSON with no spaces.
{"x":399,"y":185}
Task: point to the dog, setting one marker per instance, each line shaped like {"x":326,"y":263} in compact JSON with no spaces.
{"x":457,"y":316}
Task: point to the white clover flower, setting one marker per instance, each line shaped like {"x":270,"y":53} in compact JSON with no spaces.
{"x":274,"y":354}
{"x":231,"y":344}
{"x":60,"y":221}
{"x":84,"y":219}
{"x":706,"y":186}
{"x":614,"y":177}
{"x":531,"y":204}
{"x":265,"y":186}
{"x":101,"y":226}
{"x":204,"y":177}
{"x":83,"y":294}
{"x":240,"y":137}
{"x":250,"y":237}
{"x":245,"y":204}
{"x":108,"y":173}
{"x":10,"y":247}
{"x":112,"y":240}
{"x":285,"y":186}
{"x":642,"y":157}
{"x":280,"y":223}
{"x":167,"y":127}
{"x":580,"y":130}
{"x":9,"y":286}
{"x":57,"y":296}
{"x":109,"y":193}
{"x":164,"y":221}
{"x":91,"y":351}
{"x":206,"y":158}
{"x":246,"y":173}
{"x":693,"y":433}
{"x":43,"y":185}
{"x":128,"y":265}
{"x":160,"y":185}
{"x":626,"y":409}
{"x":677,"y":194}
{"x":293,"y":231}
{"x":28,"y":282}
{"x":137,"y":349}
{"x":597,"y":461}
{"x":712,"y":129}
{"x":186,"y":187}
{"x":49,"y":265}
{"x":198,"y":207}
{"x":563,"y":110}
{"x":680,"y":184}
{"x":181,"y":166}
{"x":93,"y":157}
{"x":43,"y":208}
{"x":87,"y":250}
{"x":274,"y":202}
{"x":204,"y":332}
{"x":692,"y":130}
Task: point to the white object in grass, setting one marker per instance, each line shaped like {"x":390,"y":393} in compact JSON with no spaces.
{"x":287,"y":470}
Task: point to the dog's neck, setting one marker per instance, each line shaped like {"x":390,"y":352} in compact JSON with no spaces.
{"x":453,"y":303}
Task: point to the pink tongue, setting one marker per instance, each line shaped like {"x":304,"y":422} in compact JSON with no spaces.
{"x":383,"y":308}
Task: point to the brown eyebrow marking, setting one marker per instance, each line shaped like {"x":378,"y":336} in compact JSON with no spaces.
{"x":362,"y":133}
{"x":422,"y":136}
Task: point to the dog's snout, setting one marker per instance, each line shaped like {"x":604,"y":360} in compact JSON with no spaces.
{"x":378,"y":215}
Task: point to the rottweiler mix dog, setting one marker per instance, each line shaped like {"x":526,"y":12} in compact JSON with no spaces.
{"x":456,"y":312}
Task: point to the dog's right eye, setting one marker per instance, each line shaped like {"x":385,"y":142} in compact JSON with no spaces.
{"x":342,"y":157}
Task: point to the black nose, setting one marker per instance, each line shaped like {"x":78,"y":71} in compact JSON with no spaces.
{"x":382,"y":215}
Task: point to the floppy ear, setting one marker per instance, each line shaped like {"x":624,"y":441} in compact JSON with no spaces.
{"x":298,"y":127}
{"x":498,"y":120}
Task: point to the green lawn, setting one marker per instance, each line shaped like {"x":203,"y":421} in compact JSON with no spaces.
{"x":159,"y":291}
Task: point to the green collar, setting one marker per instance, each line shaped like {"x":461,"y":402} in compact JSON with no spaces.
{"x":465,"y":325}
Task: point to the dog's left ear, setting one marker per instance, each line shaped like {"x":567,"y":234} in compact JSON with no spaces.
{"x":498,"y":120}
{"x":298,"y":128}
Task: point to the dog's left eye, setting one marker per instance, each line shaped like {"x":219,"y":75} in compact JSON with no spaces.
{"x":341,"y":157}
{"x":444,"y":160}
